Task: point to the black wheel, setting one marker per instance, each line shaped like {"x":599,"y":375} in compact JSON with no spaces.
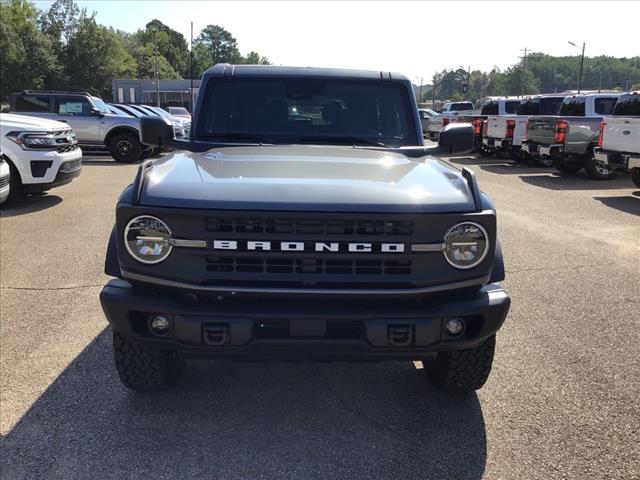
{"x":543,"y":161}
{"x":145,"y":368}
{"x":596,"y":169}
{"x":484,"y":152}
{"x":15,"y":183}
{"x":635,"y":177}
{"x":125,"y":148}
{"x":462,"y":370}
{"x":519,"y":156}
{"x":568,"y":165}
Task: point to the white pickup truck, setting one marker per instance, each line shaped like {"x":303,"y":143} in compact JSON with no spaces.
{"x":619,"y":139}
{"x":504,"y":133}
{"x":496,"y":136}
{"x":448,"y":114}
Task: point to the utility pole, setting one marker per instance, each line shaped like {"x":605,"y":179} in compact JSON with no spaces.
{"x":469,"y":82}
{"x":421,"y":81}
{"x":524,"y":71}
{"x":157,"y":74}
{"x":191,"y":70}
{"x":581,"y":64}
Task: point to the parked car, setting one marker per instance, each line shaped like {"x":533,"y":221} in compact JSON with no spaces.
{"x":494,"y":113}
{"x":181,"y":127}
{"x":41,"y":154}
{"x":448,"y":114}
{"x":5,"y":179}
{"x":90,"y":118}
{"x":425,"y":114}
{"x":275,"y":238}
{"x":179,"y":112}
{"x":619,"y":139}
{"x":118,"y":111}
{"x":504,"y":133}
{"x":567,"y":140}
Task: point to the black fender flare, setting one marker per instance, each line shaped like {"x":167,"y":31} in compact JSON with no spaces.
{"x":497,"y":271}
{"x":111,"y":264}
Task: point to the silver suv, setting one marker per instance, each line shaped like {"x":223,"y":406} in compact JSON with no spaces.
{"x":95,"y":126}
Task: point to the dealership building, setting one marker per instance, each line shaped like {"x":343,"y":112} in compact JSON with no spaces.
{"x":173,"y":93}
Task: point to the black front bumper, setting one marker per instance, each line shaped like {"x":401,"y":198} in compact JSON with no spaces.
{"x":248,"y":328}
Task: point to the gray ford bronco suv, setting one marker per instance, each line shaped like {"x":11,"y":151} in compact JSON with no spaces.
{"x":304,"y":220}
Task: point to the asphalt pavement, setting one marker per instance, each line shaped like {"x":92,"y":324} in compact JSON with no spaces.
{"x":563,"y":400}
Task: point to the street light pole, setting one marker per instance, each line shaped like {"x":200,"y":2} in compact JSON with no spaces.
{"x":581,"y":64}
{"x":157,"y":74}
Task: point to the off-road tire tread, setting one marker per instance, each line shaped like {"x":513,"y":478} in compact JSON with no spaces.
{"x":462,"y":370}
{"x":145,"y":368}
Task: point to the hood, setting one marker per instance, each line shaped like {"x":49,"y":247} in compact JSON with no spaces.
{"x":306,"y":178}
{"x":10,"y":121}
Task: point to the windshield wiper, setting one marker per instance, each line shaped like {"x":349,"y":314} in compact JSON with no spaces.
{"x":343,"y":139}
{"x":239,"y":136}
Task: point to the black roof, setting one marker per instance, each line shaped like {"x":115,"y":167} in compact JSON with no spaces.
{"x":225,"y":69}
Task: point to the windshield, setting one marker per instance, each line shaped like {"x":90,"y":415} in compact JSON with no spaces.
{"x":159,"y":111}
{"x":511,"y":107}
{"x":489,"y":108}
{"x":628,"y":105}
{"x":458,"y":107}
{"x":573,"y":107}
{"x":307,"y":110}
{"x":129,"y":110}
{"x":100,"y":105}
{"x":179,"y":111}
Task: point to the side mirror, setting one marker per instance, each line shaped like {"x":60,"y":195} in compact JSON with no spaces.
{"x":156,"y":131}
{"x":454,"y":138}
{"x":94,"y":112}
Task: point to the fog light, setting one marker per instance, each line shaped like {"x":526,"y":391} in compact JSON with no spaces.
{"x":159,"y":324}
{"x":454,"y":326}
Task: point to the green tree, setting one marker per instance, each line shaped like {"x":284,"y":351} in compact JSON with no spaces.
{"x":215,"y":45}
{"x":254,"y":58}
{"x":145,"y":63}
{"x":26,"y":54}
{"x":170,"y":44}
{"x":95,"y":56}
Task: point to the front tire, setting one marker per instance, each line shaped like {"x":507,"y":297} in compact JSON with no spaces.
{"x":635,"y":177}
{"x":596,"y":169}
{"x":125,"y":148}
{"x":544,"y":162}
{"x":568,"y":166}
{"x":462,"y":370}
{"x":144,"y":368}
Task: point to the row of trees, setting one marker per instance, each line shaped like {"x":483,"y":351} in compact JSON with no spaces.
{"x":65,"y":48}
{"x":540,"y":74}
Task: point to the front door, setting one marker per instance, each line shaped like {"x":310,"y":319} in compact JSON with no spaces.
{"x":76,"y":111}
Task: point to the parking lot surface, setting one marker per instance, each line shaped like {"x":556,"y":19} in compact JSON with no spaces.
{"x":563,"y":400}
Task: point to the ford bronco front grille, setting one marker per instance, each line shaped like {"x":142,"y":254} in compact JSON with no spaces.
{"x":306,"y":265}
{"x":308,"y":226}
{"x":67,"y":148}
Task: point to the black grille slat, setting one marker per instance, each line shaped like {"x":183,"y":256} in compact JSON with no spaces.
{"x":304,"y":226}
{"x":307,"y":265}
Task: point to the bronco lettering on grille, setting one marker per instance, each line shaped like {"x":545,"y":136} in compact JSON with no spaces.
{"x":330,"y":247}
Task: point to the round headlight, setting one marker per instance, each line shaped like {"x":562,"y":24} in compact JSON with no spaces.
{"x":147,"y":239}
{"x":466,"y":245}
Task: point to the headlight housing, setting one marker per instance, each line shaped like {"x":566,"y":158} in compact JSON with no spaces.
{"x":148,"y":239}
{"x":41,"y":140}
{"x":466,"y":245}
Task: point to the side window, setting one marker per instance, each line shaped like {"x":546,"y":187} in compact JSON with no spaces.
{"x":604,"y":106}
{"x":423,"y":115}
{"x":33,"y":104}
{"x":76,"y":106}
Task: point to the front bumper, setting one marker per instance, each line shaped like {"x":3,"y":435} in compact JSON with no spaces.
{"x":497,"y":143}
{"x":263,"y":329}
{"x":66,"y":173}
{"x":617,"y":160}
{"x":5,"y":181}
{"x":532,"y":148}
{"x":42,"y":167}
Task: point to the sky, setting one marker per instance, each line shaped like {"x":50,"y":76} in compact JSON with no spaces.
{"x":414,"y":38}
